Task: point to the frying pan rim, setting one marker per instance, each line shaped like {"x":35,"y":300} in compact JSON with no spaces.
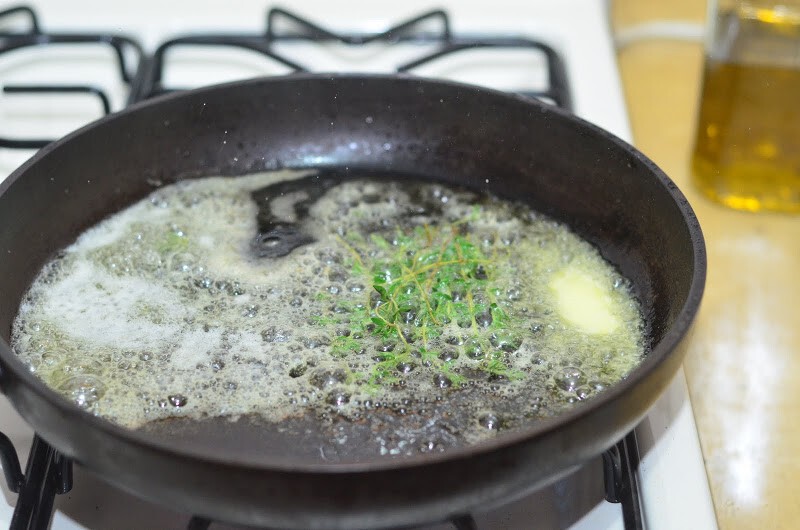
{"x":12,"y":366}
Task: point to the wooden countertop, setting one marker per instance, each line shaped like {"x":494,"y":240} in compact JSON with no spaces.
{"x":743,"y":367}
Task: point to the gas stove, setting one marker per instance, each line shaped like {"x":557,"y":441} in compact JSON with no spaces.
{"x":100,"y":57}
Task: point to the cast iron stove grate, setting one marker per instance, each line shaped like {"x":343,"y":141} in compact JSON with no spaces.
{"x":47,"y":472}
{"x":431,"y":31}
{"x":127,"y":52}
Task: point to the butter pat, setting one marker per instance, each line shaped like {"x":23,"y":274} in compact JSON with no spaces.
{"x":583,"y":301}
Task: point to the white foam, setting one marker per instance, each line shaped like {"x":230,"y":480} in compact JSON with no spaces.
{"x":104,"y":310}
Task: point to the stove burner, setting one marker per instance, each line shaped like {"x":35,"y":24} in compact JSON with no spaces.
{"x":47,"y":474}
{"x":620,"y":465}
{"x":33,"y":143}
{"x":284,"y":27}
{"x":123,"y":48}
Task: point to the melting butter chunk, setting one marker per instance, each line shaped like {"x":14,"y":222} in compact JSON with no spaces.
{"x":584,"y":301}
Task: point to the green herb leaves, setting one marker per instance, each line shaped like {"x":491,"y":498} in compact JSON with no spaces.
{"x":426,"y":283}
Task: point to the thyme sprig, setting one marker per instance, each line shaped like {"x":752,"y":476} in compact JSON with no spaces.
{"x":425,"y":282}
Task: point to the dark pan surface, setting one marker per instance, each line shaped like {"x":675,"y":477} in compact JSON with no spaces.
{"x":607,"y":191}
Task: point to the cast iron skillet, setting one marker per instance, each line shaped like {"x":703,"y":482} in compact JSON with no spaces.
{"x":515,"y":147}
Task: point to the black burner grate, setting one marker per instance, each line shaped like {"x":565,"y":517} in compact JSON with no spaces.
{"x":283,"y":26}
{"x":47,"y":474}
{"x":127,"y":52}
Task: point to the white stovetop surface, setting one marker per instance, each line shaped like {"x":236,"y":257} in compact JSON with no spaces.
{"x":673,"y":482}
{"x":576,"y":28}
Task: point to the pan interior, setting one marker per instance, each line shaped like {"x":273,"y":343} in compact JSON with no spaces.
{"x":416,"y":314}
{"x":606,"y":191}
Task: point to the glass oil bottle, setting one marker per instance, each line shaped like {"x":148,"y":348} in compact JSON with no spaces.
{"x":747,"y":148}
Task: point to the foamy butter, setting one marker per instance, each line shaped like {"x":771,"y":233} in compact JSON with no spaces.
{"x":411,"y":296}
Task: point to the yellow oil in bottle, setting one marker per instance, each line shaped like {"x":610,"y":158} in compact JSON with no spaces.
{"x":747,"y":148}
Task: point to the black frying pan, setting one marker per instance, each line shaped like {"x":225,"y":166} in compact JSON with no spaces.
{"x":516,"y":148}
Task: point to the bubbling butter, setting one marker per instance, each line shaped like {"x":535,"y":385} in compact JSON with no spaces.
{"x":413,"y":297}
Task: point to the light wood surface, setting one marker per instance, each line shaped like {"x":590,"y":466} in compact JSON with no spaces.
{"x":743,"y":367}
